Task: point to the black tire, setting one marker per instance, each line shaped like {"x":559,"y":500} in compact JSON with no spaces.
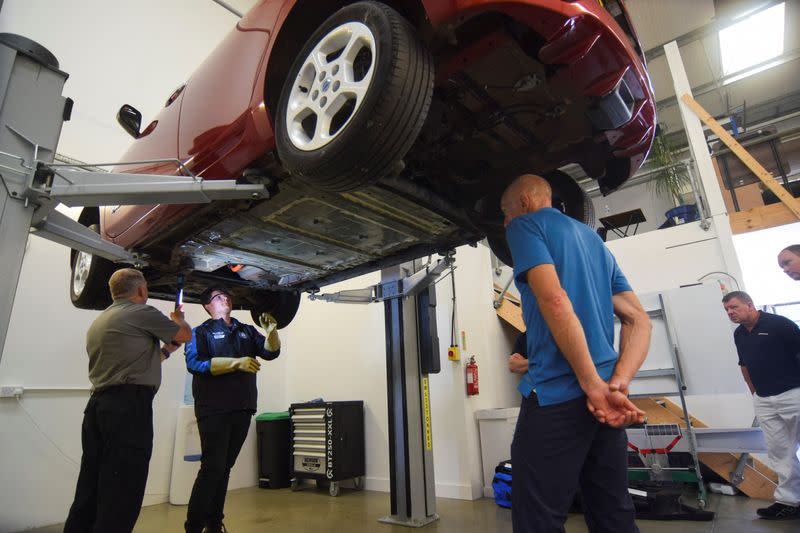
{"x":281,"y":305}
{"x":499,"y":247}
{"x":568,"y":197}
{"x":94,"y":293}
{"x":389,"y":118}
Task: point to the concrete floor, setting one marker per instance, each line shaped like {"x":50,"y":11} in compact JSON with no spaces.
{"x":310,"y":511}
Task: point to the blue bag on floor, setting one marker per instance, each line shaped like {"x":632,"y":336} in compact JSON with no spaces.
{"x":501,"y":484}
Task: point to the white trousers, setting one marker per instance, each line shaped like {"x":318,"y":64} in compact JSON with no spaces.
{"x":779,"y":417}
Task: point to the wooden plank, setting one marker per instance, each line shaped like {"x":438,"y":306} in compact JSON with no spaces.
{"x":512,"y":313}
{"x":763,"y":174}
{"x":759,"y":481}
{"x":768,"y":216}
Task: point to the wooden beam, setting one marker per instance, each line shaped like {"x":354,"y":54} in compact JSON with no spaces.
{"x":763,"y":174}
{"x":512,"y":314}
{"x":767,"y":216}
{"x":759,"y":481}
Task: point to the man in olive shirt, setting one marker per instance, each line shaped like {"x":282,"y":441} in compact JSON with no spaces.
{"x":117,"y":432}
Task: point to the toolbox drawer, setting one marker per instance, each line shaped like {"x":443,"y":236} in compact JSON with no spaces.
{"x":328,"y":440}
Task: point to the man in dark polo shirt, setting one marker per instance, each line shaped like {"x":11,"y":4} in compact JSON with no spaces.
{"x":769,"y":356}
{"x":518,"y":360}
{"x":117,"y":432}
{"x":222,"y":359}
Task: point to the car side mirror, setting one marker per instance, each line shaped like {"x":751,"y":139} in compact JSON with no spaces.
{"x":130,"y":119}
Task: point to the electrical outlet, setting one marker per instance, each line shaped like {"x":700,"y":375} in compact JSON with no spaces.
{"x":11,"y":391}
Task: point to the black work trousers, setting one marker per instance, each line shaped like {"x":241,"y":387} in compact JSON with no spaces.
{"x":221,"y":439}
{"x":558,"y":448}
{"x":117,"y":439}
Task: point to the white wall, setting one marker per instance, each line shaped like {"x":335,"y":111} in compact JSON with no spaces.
{"x":669,"y":258}
{"x":40,"y":433}
{"x":758,"y":254}
{"x":337,"y":351}
{"x":115,"y":53}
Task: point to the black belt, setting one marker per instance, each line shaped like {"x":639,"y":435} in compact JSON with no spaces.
{"x":125,"y":387}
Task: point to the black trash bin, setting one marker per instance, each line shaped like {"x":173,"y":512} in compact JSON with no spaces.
{"x":273,"y":450}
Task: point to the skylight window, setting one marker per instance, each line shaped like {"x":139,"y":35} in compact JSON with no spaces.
{"x":753,"y":40}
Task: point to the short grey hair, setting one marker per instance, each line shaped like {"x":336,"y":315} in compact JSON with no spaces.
{"x":124,"y":282}
{"x":740,"y":295}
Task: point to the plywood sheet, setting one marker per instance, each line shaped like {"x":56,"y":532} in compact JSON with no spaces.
{"x":768,"y":216}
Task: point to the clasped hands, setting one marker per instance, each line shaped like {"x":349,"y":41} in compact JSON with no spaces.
{"x":609,"y":403}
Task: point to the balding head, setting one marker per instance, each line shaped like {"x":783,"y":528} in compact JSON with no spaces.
{"x":526,"y":194}
{"x":127,"y":283}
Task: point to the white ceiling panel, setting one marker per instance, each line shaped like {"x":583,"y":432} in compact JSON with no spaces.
{"x":660,"y":21}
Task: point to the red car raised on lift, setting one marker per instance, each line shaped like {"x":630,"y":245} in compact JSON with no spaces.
{"x":384,"y":131}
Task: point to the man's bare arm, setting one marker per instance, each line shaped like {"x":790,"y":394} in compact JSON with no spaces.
{"x":607,"y":405}
{"x":556,"y":308}
{"x":184,"y":333}
{"x":634,"y":338}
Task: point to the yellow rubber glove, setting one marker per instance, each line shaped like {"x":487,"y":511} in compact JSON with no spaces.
{"x":270,"y":326}
{"x":226,"y":365}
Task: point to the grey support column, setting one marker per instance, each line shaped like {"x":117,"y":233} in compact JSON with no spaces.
{"x":32,"y":111}
{"x":413,"y":497}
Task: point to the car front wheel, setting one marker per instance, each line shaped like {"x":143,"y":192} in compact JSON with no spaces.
{"x":354,"y":99}
{"x":88,"y":287}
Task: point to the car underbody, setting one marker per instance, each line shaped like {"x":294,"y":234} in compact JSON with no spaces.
{"x":493,"y":116}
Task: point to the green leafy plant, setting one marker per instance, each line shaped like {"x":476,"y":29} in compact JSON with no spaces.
{"x":673,"y":178}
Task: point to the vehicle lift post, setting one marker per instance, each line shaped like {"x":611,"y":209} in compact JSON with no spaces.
{"x":32,"y":111}
{"x":408,"y":293}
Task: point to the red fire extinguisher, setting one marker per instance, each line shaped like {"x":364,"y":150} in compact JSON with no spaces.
{"x":472,"y":377}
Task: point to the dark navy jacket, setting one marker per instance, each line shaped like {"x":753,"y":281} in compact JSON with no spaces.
{"x":227,"y":392}
{"x":771,"y":353}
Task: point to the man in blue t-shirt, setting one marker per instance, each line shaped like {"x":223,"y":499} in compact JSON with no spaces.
{"x":769,"y":356}
{"x":569,"y":432}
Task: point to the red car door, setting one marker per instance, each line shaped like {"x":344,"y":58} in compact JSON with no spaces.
{"x":159,"y":140}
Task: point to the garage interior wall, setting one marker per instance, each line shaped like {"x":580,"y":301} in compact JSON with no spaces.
{"x":334,"y":351}
{"x":627,"y":198}
{"x":137,"y":53}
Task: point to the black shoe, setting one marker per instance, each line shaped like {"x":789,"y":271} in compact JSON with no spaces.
{"x":779,"y":511}
{"x":217,"y":528}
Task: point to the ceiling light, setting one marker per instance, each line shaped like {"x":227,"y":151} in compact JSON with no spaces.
{"x":752,"y":41}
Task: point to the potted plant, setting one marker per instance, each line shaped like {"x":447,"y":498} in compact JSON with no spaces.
{"x":672,"y":179}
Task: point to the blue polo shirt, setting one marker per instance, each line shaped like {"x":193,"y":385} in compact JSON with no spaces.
{"x":590,"y":276}
{"x":771,"y":353}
